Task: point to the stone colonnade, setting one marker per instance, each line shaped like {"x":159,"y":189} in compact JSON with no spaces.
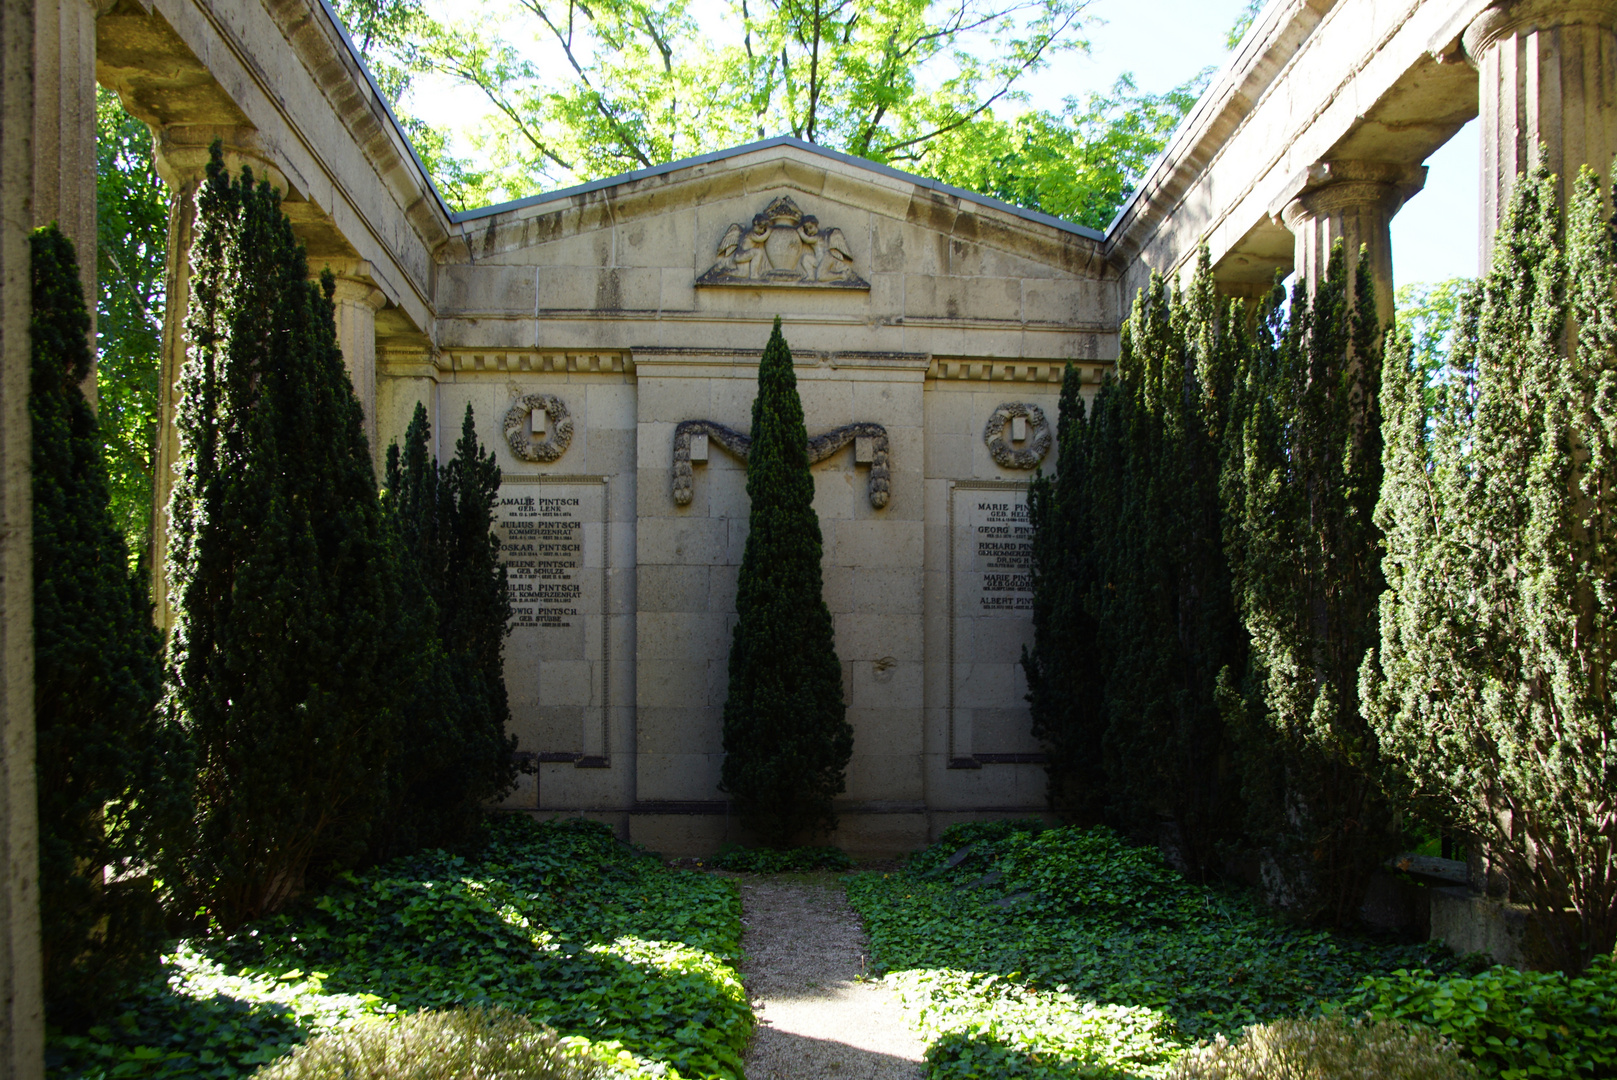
{"x":1547,"y":76}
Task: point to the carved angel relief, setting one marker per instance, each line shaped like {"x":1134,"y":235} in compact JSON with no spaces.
{"x":784,"y":246}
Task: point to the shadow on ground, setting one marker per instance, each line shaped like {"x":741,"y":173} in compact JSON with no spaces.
{"x":782,"y":1055}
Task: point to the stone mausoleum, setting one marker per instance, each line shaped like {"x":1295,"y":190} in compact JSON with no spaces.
{"x":608,"y":341}
{"x":607,"y":337}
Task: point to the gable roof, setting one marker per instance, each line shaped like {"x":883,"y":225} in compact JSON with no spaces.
{"x":769,"y":144}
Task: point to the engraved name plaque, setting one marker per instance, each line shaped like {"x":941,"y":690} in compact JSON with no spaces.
{"x":553,"y":534}
{"x":543,"y":549}
{"x":991,"y":619}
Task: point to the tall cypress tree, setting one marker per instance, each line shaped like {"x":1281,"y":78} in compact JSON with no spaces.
{"x":1133,"y":619}
{"x":1161,"y":592}
{"x":428,"y":716}
{"x":787,"y":740}
{"x":1065,"y":689}
{"x":1491,"y":690}
{"x":476,"y":612}
{"x":282,"y":657}
{"x":455,"y":755}
{"x":108,"y":771}
{"x":1302,"y":476}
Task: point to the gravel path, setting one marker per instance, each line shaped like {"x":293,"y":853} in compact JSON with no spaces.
{"x":805,"y":951}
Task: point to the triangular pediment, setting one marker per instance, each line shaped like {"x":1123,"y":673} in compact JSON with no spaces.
{"x":788,"y":204}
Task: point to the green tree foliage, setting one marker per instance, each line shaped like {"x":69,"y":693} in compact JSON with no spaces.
{"x":1080,"y":163}
{"x":581,"y":91}
{"x":786,"y":737}
{"x":388,"y":36}
{"x":1491,"y":688}
{"x":105,"y":764}
{"x":284,"y":665}
{"x":1302,"y":473}
{"x":1243,"y":22}
{"x":453,"y":754}
{"x":1429,"y":312}
{"x":132,"y":237}
{"x":1134,"y":563}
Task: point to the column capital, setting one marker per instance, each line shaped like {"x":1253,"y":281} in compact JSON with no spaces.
{"x":355,"y":283}
{"x":181,"y":151}
{"x":1329,"y":187}
{"x":1509,"y":17}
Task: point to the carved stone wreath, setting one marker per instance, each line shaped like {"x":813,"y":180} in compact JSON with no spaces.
{"x":820,"y":447}
{"x":999,"y":444}
{"x":553,"y":445}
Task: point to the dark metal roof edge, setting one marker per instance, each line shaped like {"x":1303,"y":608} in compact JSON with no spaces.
{"x":404,"y":136}
{"x":768,"y":144}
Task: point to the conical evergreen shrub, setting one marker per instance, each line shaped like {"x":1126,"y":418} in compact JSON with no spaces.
{"x":787,"y":740}
{"x":1492,"y":688}
{"x":475,"y":608}
{"x":454,"y":754}
{"x":284,"y":659}
{"x":1161,"y":592}
{"x":109,"y":773}
{"x":1302,"y":473}
{"x":1066,"y":694}
{"x":425,"y":735}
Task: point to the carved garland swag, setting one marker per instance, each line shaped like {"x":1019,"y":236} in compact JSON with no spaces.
{"x":820,"y":447}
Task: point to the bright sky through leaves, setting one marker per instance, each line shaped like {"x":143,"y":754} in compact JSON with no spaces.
{"x":1161,"y":42}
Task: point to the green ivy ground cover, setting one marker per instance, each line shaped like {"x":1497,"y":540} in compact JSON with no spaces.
{"x":1511,"y":1024}
{"x":559,"y":921}
{"x":1065,"y":952}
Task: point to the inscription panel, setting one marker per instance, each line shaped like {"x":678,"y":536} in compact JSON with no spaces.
{"x":553,"y":543}
{"x":991,"y":619}
{"x":542,"y":541}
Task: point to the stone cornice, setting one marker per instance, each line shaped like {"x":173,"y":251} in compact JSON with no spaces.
{"x":986,"y":369}
{"x":534,"y":361}
{"x":328,"y":54}
{"x":558,"y":362}
{"x":1263,"y":55}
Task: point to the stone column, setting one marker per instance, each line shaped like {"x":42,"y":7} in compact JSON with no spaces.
{"x":1353,"y":201}
{"x":177,"y":290}
{"x":22,"y":1016}
{"x":181,"y":158}
{"x":358,"y":300}
{"x":1548,"y":75}
{"x":64,"y":134}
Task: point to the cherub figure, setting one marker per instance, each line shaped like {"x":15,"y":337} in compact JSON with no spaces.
{"x":751,"y":250}
{"x":837,"y":262}
{"x":741,"y":253}
{"x":808,"y":234}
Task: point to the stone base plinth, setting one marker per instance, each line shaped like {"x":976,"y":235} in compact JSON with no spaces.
{"x":1513,"y":934}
